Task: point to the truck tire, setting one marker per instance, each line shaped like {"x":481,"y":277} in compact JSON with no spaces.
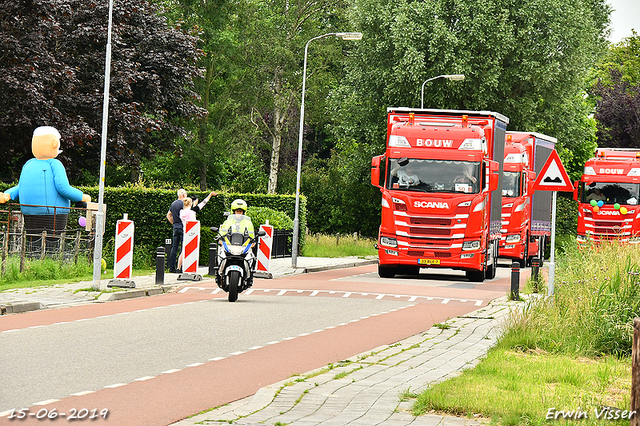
{"x":409,"y":270}
{"x":492,"y":264}
{"x":386,"y":271}
{"x":475,"y":276}
{"x":525,"y":256}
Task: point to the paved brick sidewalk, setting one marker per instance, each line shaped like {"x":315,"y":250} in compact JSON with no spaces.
{"x":368,"y":391}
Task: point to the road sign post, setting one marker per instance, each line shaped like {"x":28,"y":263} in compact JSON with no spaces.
{"x":553,"y":177}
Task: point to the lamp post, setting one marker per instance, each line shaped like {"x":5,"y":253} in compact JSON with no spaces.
{"x":97,"y":250}
{"x":296,"y":220}
{"x":453,"y":77}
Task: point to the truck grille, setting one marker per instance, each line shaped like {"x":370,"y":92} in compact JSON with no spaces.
{"x":430,"y":231}
{"x":432,"y":221}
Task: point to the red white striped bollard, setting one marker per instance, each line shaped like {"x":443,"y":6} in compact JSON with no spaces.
{"x":264,"y":248}
{"x":122,"y":267}
{"x":191,"y":246}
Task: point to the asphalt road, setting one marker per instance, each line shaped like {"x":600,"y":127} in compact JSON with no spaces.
{"x":158,"y":359}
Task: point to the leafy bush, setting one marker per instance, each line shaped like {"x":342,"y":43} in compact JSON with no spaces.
{"x":277,"y":219}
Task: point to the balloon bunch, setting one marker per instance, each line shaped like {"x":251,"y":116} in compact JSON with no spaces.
{"x":596,"y":205}
{"x":623,"y":210}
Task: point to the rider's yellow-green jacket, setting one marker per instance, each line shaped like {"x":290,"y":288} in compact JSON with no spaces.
{"x":237,"y":223}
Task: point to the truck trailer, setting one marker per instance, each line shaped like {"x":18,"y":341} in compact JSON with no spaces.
{"x":526,"y":215}
{"x":441,"y":196}
{"x":608,"y":195}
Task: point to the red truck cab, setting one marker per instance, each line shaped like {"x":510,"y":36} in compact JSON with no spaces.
{"x":608,"y":194}
{"x":439,"y":179}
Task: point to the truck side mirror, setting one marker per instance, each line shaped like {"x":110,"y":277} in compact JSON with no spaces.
{"x":575,"y":190}
{"x":531,"y":180}
{"x":494,"y":176}
{"x":375,"y":171}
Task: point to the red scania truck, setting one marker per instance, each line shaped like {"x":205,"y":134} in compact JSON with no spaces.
{"x":608,"y":193}
{"x":526,"y":215}
{"x":441,"y":198}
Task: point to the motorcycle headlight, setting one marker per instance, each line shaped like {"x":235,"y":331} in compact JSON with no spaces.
{"x":236,"y":250}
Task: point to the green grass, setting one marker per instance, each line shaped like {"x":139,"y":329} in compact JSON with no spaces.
{"x":338,"y":246}
{"x":566,"y":353}
{"x":519,"y":388}
{"x":49,"y":272}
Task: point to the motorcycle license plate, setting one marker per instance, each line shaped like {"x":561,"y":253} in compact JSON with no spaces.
{"x":234,"y":268}
{"x":428,"y":261}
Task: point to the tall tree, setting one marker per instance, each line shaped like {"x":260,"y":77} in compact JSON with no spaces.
{"x":53,"y":73}
{"x":273,"y":35}
{"x":616,"y":91}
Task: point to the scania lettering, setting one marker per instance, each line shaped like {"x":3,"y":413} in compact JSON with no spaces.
{"x":431,"y":204}
{"x":608,"y":194}
{"x":526,"y":215}
{"x":440,"y":184}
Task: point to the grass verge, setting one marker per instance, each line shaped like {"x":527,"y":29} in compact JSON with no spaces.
{"x":560,"y":358}
{"x":319,"y":245}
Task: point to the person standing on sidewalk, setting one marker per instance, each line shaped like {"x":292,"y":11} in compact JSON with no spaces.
{"x":191,"y":207}
{"x":173,"y":216}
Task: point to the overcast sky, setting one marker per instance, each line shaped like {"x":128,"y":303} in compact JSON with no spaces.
{"x":625,"y":16}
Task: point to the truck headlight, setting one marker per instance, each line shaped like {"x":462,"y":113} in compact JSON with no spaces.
{"x":513,"y":238}
{"x":389,"y":242}
{"x":471,"y":245}
{"x":581,"y":238}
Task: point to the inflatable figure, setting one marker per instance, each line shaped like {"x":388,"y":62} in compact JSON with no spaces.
{"x":43,"y":190}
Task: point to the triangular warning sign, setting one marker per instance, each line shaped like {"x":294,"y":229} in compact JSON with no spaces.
{"x":553,"y":176}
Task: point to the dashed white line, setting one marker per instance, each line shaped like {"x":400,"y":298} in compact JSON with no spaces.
{"x":173,"y":370}
{"x":142,"y":379}
{"x":115,"y":385}
{"x":48,"y":401}
{"x":83,"y":393}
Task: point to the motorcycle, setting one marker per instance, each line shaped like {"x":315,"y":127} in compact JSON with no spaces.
{"x":235,"y":261}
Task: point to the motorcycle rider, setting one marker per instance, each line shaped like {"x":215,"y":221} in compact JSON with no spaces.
{"x":237,"y":221}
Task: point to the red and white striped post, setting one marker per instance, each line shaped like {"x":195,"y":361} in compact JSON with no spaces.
{"x":264,"y":248}
{"x":122,"y":267}
{"x":191,"y":246}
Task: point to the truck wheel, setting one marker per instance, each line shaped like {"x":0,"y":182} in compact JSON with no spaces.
{"x":386,"y":272}
{"x":491,"y":267}
{"x":475,"y":276}
{"x":525,"y":256}
{"x":409,"y":270}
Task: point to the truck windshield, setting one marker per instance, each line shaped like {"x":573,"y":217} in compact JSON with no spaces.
{"x":611,"y":193}
{"x":511,"y":184}
{"x":434,"y":175}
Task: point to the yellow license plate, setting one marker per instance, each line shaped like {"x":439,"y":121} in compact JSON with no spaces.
{"x":428,"y":261}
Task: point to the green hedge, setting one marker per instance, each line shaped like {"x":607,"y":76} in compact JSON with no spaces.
{"x":147,"y":208}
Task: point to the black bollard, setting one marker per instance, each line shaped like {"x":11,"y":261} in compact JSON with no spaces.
{"x":213,"y":258}
{"x":160,"y":266}
{"x":535,"y":268}
{"x":515,"y":280}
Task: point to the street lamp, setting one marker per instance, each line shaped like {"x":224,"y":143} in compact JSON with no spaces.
{"x":453,"y":77}
{"x":100,"y":219}
{"x":296,"y":221}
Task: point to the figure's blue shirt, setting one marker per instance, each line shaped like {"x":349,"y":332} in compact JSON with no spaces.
{"x":44,"y":183}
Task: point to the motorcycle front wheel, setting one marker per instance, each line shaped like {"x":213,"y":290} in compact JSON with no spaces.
{"x":234,"y":279}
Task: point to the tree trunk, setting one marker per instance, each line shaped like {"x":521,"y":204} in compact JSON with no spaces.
{"x":203,"y":128}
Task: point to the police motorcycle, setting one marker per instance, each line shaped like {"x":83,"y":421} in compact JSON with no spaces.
{"x":235,"y":261}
